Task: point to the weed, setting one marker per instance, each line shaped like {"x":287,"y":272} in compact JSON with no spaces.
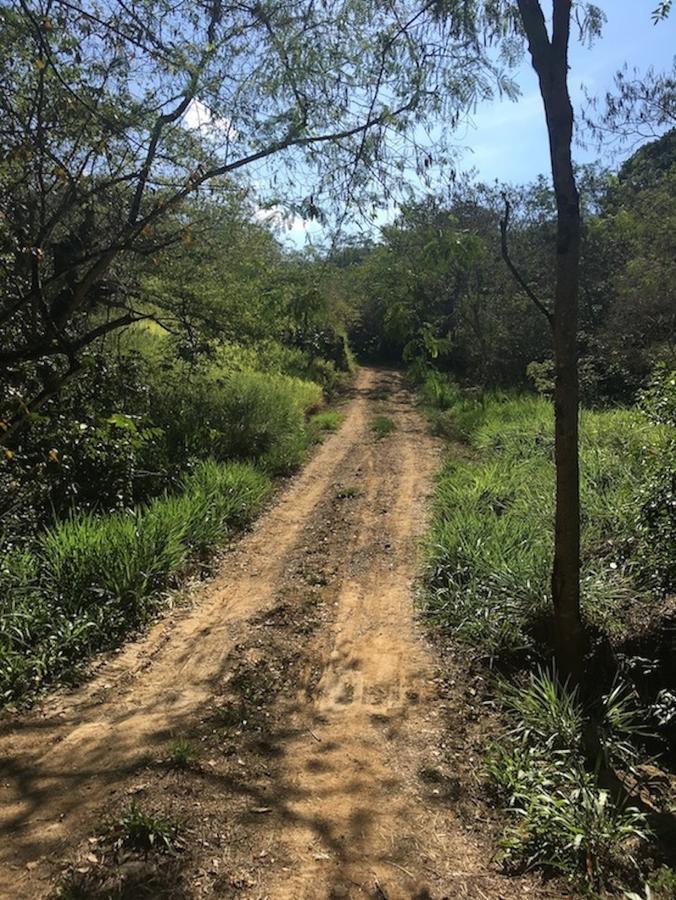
{"x":348,"y":493}
{"x":381,"y":426}
{"x":561,"y":818}
{"x":663,"y":885}
{"x":547,"y":713}
{"x":143,"y":831}
{"x":182,"y":753}
{"x":327,"y":420}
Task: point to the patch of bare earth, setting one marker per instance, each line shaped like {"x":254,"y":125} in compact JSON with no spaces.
{"x":333,"y":756}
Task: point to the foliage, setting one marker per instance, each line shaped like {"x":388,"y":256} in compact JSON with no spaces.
{"x":182,"y":752}
{"x":640,"y":105}
{"x":240,"y":415}
{"x":114,"y":119}
{"x":489,"y":548}
{"x":91,"y":580}
{"x":381,"y":426}
{"x":658,"y":400}
{"x":328,"y":420}
{"x":663,"y":885}
{"x":435,"y":290}
{"x":144,"y":831}
{"x":559,"y":816}
{"x":656,"y":516}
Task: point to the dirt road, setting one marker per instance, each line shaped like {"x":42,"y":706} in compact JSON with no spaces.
{"x":326,"y":760}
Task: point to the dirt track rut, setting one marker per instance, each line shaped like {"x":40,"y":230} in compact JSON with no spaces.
{"x":301,"y":675}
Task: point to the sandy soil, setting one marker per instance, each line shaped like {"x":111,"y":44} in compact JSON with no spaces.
{"x":334,"y":757}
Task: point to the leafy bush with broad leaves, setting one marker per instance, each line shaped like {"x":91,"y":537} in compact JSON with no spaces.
{"x":90,"y":449}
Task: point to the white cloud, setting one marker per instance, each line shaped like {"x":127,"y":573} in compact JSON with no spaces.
{"x":199,"y":117}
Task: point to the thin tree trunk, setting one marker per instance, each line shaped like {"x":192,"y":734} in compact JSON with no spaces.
{"x":550,"y":61}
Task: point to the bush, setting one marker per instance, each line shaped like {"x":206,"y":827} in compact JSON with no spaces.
{"x":93,"y":579}
{"x":659,"y":398}
{"x":242,"y":415}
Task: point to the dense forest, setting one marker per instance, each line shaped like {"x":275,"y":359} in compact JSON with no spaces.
{"x":173,"y":366}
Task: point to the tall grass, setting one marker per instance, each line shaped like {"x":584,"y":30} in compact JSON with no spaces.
{"x":558,"y":816}
{"x":490,"y":545}
{"x":92,"y":579}
{"x":243,"y":415}
{"x":489,"y":558}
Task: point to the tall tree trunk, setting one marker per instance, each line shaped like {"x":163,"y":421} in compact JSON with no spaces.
{"x":550,"y":61}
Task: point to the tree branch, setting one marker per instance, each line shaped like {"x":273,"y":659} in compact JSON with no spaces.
{"x":27,"y":409}
{"x":518,"y":277}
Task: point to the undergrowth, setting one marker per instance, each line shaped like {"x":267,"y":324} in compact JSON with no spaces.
{"x":490,"y":545}
{"x":489,"y":559}
{"x":559,"y":816}
{"x":91,"y":580}
{"x":246,"y":415}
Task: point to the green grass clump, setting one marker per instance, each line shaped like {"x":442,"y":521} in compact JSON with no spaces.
{"x":143,"y":831}
{"x":182,"y":753}
{"x":327,"y":420}
{"x":560,"y":818}
{"x":381,"y":426}
{"x":245,"y":415}
{"x":349,"y":492}
{"x":93,"y":579}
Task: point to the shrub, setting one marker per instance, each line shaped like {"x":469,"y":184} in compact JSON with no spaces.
{"x":659,"y":398}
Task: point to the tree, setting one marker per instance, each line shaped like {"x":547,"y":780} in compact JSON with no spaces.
{"x":114,"y":115}
{"x":549,"y":55}
{"x":639,"y":107}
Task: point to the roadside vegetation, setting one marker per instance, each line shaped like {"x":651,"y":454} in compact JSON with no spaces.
{"x":124,"y":483}
{"x":582,"y":770}
{"x":488,"y":568}
{"x":490,"y":543}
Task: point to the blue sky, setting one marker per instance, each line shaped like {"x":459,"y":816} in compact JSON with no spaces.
{"x":507,"y":140}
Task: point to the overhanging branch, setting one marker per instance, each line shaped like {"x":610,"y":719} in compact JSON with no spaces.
{"x":518,"y":277}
